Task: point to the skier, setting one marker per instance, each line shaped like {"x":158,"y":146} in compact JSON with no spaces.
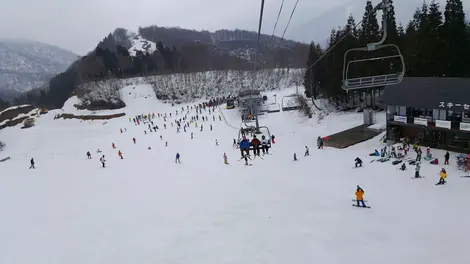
{"x":272,"y":139}
{"x":264,"y":145}
{"x":133,"y":139}
{"x":166,"y":143}
{"x":446,"y":158}
{"x":211,"y":126}
{"x":320,"y":142}
{"x":235,"y":145}
{"x":418,"y":167}
{"x":295,"y":157}
{"x":120,"y":154}
{"x":246,"y":157}
{"x":88,"y":154}
{"x":161,"y":137}
{"x":255,"y":143}
{"x":418,"y":154}
{"x":32,"y":164}
{"x":360,"y":196}
{"x":443,"y":177}
{"x":216,"y":142}
{"x":114,"y":146}
{"x":307,"y":151}
{"x":192,"y":135}
{"x":358,"y":162}
{"x":225,"y":158}
{"x":103,"y":161}
{"x":121,"y":130}
{"x":177,"y":158}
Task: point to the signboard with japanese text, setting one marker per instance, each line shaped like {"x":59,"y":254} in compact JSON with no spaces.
{"x":443,"y":124}
{"x":454,"y":105}
{"x":420,"y":121}
{"x":465,"y":126}
{"x":401,"y":119}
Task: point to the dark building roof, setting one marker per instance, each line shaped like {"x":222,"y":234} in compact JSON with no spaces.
{"x":430,"y":93}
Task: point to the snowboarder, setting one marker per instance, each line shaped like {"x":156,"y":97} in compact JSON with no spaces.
{"x":418,"y":167}
{"x":120,"y":154}
{"x":225,"y":159}
{"x":360,"y":196}
{"x":32,"y":164}
{"x":103,"y":161}
{"x":88,"y":154}
{"x":307,"y":151}
{"x":295,"y":157}
{"x":133,"y":139}
{"x":358,"y":162}
{"x":443,"y":177}
{"x":177,"y":158}
{"x":446,"y":158}
{"x":403,"y":167}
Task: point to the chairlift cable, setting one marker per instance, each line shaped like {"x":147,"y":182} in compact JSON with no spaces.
{"x":288,"y":22}
{"x":277,"y":19}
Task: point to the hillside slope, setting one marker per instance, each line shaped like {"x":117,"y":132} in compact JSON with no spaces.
{"x":25,"y":65}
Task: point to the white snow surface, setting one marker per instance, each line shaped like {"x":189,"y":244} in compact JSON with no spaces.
{"x":141,"y":44}
{"x":148,"y":209}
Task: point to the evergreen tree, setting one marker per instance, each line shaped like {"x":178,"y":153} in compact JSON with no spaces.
{"x":457,"y":50}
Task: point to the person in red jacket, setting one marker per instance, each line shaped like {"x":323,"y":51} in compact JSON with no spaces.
{"x":255,"y":143}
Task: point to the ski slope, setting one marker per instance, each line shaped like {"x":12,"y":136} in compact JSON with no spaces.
{"x":148,"y":209}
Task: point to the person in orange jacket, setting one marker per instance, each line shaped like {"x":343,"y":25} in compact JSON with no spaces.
{"x":120,"y":154}
{"x":360,"y":196}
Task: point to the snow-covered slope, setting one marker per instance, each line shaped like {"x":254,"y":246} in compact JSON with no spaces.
{"x":146,"y":209}
{"x":143,"y":45}
{"x":25,"y":64}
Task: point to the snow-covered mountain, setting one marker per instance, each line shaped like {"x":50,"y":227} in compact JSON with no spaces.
{"x":242,"y":44}
{"x":26,"y":64}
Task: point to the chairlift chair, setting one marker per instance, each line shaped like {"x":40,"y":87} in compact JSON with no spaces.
{"x":376,"y":80}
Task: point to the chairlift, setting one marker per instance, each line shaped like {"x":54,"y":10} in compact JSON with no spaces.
{"x":376,"y":80}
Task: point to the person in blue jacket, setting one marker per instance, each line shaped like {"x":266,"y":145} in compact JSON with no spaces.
{"x":177,"y":159}
{"x":244,"y":146}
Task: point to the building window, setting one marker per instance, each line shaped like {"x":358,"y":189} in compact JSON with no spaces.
{"x":435,"y":114}
{"x":442,"y":114}
{"x":402,"y":110}
{"x":392,"y":110}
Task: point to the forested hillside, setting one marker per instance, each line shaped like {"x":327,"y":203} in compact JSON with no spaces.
{"x":161,"y":51}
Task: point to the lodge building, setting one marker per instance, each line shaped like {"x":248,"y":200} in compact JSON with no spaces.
{"x":436,"y":111}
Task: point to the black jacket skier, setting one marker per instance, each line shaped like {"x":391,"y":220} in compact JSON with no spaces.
{"x":88,"y":154}
{"x":32,"y":163}
{"x":358,"y":162}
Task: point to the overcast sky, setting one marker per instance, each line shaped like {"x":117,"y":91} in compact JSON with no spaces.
{"x":78,"y":25}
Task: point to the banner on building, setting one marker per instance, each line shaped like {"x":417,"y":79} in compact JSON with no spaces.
{"x":421,"y":121}
{"x":465,"y":127}
{"x":401,"y":119}
{"x":443,"y":124}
